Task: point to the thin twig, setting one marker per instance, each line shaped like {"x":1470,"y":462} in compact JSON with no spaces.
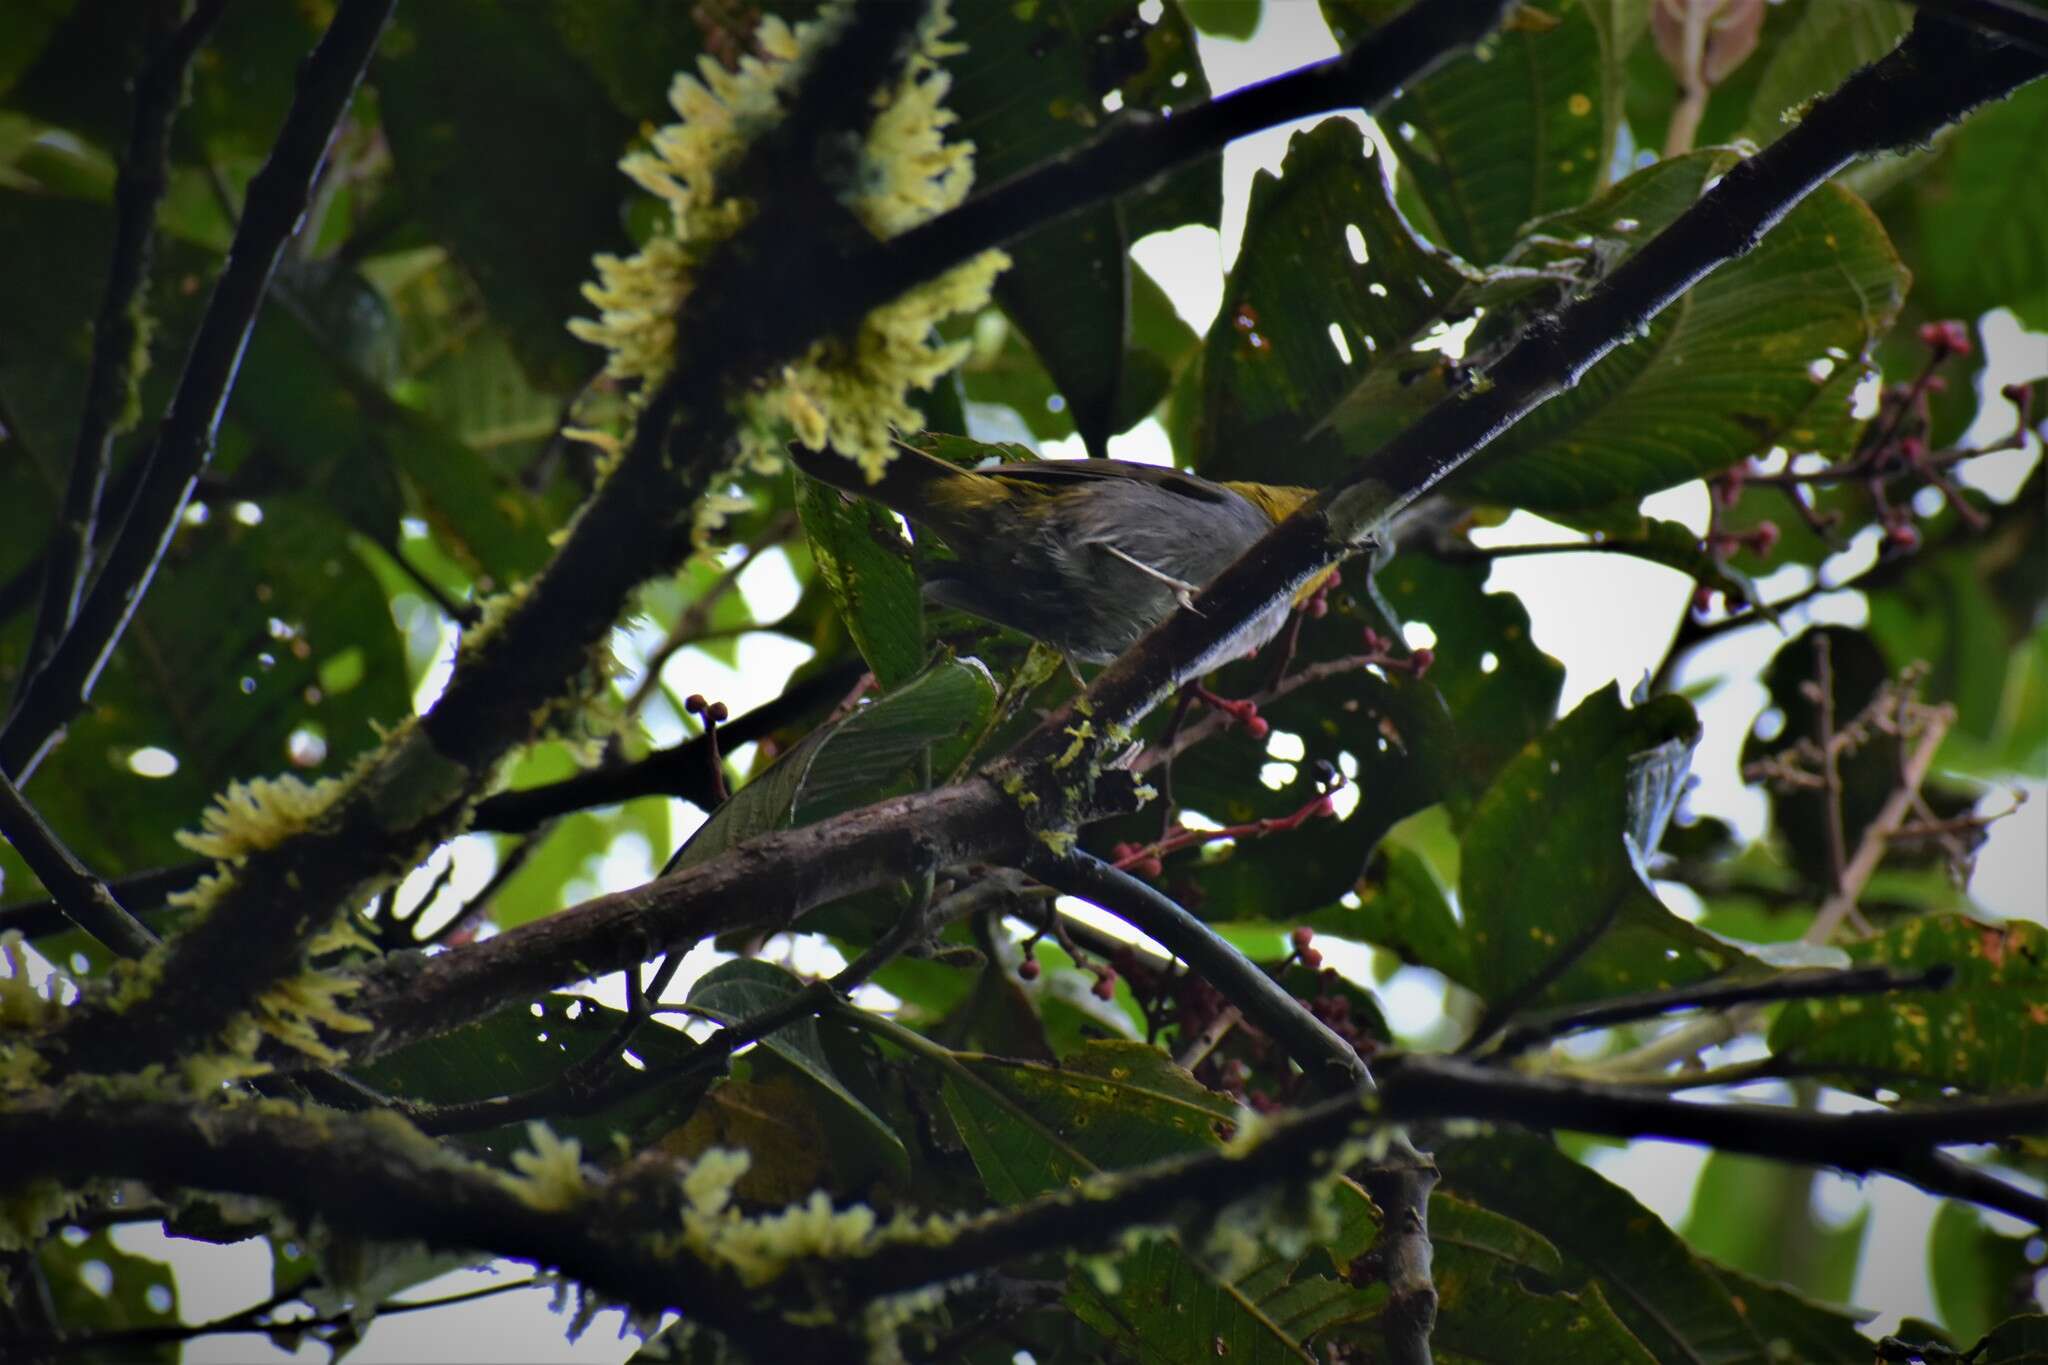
{"x":83,"y":897}
{"x":117,"y":329}
{"x":1523,"y":1034}
{"x":276,"y":202}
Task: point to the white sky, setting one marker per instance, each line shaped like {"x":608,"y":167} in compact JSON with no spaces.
{"x":1189,"y":264}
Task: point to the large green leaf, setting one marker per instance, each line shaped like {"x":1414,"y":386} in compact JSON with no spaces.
{"x":1483,"y":175}
{"x":1987,"y":1033}
{"x":1498,"y":1295}
{"x":1111,"y":1105}
{"x":856,"y":759}
{"x":1555,"y":897}
{"x":2016,"y":1341}
{"x":864,"y":561}
{"x":1733,"y":368}
{"x":1830,"y":39}
{"x":1978,"y":1275}
{"x":95,"y":1286}
{"x":1673,"y":1302}
{"x":1070,"y":286}
{"x":1304,"y":319}
{"x":1980,"y":216}
{"x":527,"y":1046}
{"x":482,"y":104}
{"x":746,"y":987}
{"x":1757,"y":1216}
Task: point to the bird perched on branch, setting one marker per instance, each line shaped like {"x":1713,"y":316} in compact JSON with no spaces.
{"x":1086,"y":555}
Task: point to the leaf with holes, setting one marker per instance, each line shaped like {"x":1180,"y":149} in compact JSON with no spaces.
{"x":1481,"y":175}
{"x":1329,"y":288}
{"x":1070,"y":286}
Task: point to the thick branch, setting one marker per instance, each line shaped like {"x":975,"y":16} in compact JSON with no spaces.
{"x":768,"y":882}
{"x":117,"y":330}
{"x":373,"y":1177}
{"x":682,"y":770}
{"x":276,"y":202}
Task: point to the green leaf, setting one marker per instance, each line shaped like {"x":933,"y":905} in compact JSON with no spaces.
{"x":1978,"y":1275}
{"x":1069,"y":288}
{"x":1498,"y":1297}
{"x":1791,"y":1326}
{"x":94,"y":1287}
{"x":469,"y":160}
{"x":1986,"y":1034}
{"x":1271,"y":370}
{"x":2016,"y":1341}
{"x":222,"y":667}
{"x":1556,"y":903}
{"x":1830,"y":40}
{"x":1484,"y":175}
{"x":525,"y":1046}
{"x":1979,"y":216}
{"x":1672,"y":1302}
{"x":866,"y":565}
{"x":854,"y":760}
{"x":745,"y":987}
{"x":1756,"y":1216}
{"x":1112,"y":1105}
{"x":1402,"y":909}
{"x":1107,"y":1105}
{"x":1233,"y":19}
{"x":1764,"y":335}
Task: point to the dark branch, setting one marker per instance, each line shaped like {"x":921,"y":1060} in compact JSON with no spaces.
{"x":117,"y":330}
{"x":1332,"y":1064}
{"x":373,"y":1178}
{"x":84,"y":898}
{"x":1899,"y":1143}
{"x":768,"y":882}
{"x":1522,"y":1034}
{"x":276,"y":202}
{"x":679,"y":771}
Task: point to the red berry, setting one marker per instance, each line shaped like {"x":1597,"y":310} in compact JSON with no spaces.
{"x":1303,"y":936}
{"x":1424,"y":659}
{"x":1946,"y":338}
{"x":1105,"y":987}
{"x":1311,"y":959}
{"x":1765,"y":537}
{"x":1149,"y":868}
{"x":1903,"y":535}
{"x":1028,"y":969}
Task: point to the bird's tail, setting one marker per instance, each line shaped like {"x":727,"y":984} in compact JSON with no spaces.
{"x":922,"y":487}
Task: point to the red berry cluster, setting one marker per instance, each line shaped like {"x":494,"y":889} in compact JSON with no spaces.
{"x":1380,"y":651}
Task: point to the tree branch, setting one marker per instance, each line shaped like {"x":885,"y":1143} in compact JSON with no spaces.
{"x":375,"y":1177}
{"x":1522,"y":1034}
{"x":1890,"y":1142}
{"x":84,"y":898}
{"x":117,"y":344}
{"x":768,"y":882}
{"x":681,"y":771}
{"x":275,"y":203}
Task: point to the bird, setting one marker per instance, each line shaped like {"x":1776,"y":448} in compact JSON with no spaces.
{"x":1086,"y":555}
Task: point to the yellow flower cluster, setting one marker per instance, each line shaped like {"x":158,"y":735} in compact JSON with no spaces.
{"x":845,"y":392}
{"x":551,"y":1176}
